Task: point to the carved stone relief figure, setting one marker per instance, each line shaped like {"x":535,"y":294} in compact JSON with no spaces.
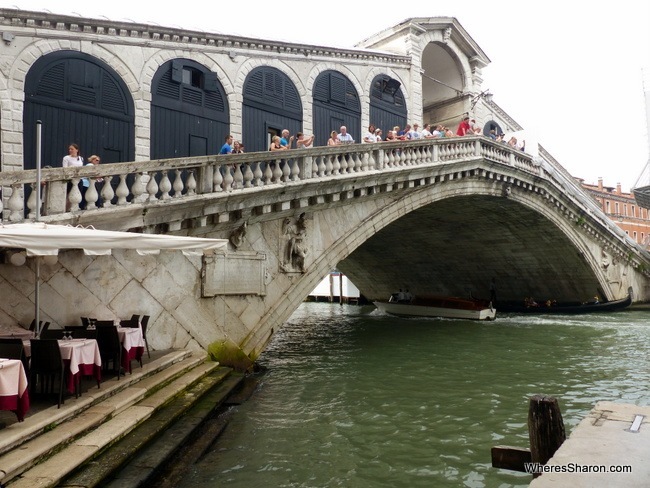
{"x":238,"y":235}
{"x":294,"y":232}
{"x":612,"y":269}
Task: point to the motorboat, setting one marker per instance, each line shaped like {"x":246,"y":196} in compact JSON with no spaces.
{"x":446,"y":307}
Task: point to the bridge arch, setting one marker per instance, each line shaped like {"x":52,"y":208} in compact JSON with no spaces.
{"x":417,"y":242}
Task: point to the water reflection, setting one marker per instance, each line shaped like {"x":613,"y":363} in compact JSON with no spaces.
{"x":355,"y":398}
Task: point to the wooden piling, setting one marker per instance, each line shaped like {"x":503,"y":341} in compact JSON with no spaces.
{"x":545,"y":428}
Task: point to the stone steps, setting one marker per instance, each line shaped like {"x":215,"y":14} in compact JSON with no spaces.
{"x":137,"y":458}
{"x":51,"y":444}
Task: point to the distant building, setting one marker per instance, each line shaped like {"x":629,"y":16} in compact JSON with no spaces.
{"x":623,"y":209}
{"x":335,"y":287}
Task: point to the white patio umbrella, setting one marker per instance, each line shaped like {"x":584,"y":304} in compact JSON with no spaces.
{"x":42,"y":239}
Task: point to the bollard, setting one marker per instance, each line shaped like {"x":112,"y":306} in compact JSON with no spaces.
{"x":545,"y":428}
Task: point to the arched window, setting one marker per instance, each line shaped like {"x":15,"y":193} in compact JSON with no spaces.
{"x":387,"y":104}
{"x":271,"y":104}
{"x":189,"y":111}
{"x":336,"y":103}
{"x":79,"y":99}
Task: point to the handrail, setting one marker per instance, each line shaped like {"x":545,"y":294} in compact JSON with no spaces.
{"x":163,"y":180}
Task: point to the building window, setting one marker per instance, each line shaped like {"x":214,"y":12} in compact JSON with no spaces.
{"x":635,"y":240}
{"x":607,"y":207}
{"x":616,"y":212}
{"x":633,"y":211}
{"x":625,"y":209}
{"x":191,"y":77}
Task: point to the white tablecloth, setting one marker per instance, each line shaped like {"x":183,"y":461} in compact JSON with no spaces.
{"x":130,"y":337}
{"x":9,"y":331}
{"x":13,"y":387}
{"x":81,"y":356}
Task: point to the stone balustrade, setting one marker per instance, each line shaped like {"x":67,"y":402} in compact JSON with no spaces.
{"x":157,"y":181}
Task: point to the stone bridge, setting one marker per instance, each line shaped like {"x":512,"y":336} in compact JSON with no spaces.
{"x":437,"y":216}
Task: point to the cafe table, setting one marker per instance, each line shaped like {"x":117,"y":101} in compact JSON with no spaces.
{"x":14,"y":395}
{"x":12,"y":332}
{"x":81,"y":357}
{"x":132,"y":345}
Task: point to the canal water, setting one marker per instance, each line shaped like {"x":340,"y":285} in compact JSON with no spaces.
{"x":353,"y":398}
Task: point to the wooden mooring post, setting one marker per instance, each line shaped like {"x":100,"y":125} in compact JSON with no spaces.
{"x":545,"y":432}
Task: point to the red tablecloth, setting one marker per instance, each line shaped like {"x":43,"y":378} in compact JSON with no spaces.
{"x":133,"y":345}
{"x":81,"y":357}
{"x":14,"y":395}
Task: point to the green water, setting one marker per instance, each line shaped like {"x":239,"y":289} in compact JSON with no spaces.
{"x":353,"y":398}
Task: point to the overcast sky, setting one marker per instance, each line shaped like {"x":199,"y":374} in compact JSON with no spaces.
{"x":568,"y":71}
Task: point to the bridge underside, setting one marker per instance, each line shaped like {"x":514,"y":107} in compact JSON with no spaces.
{"x":456,"y":246}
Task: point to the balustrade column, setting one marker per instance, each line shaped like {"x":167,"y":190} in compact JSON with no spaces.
{"x":227,"y":177}
{"x":138,"y":188}
{"x":295,"y":169}
{"x":122,"y":190}
{"x":152,"y":188}
{"x":378,"y":161}
{"x":16,"y":203}
{"x":74,"y":196}
{"x":91,"y":195}
{"x":191,"y":183}
{"x":248,"y":176}
{"x":257,"y":173}
{"x":31,"y":202}
{"x":268,"y":173}
{"x":165,"y":186}
{"x":286,"y":170}
{"x":238,"y":177}
{"x":178,"y":184}
{"x":107,"y":192}
{"x":342,"y":165}
{"x":217,"y":179}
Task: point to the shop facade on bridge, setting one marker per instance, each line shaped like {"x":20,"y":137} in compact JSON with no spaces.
{"x":134,"y":92}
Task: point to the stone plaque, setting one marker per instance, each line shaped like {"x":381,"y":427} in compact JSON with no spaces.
{"x":240,"y":273}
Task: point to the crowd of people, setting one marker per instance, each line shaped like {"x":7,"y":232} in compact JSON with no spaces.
{"x":466,"y":127}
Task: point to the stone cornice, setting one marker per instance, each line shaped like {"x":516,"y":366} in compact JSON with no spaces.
{"x":23,"y":19}
{"x":420,"y":25}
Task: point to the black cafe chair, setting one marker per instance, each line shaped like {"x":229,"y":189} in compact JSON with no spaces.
{"x":144,"y":322}
{"x":44,"y":325}
{"x":83,"y":333}
{"x":104,"y":323}
{"x":110,"y":347}
{"x":12,"y":348}
{"x":46,"y":366}
{"x":131,"y":323}
{"x":53,"y":334}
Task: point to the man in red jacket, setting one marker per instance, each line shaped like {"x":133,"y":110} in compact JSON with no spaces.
{"x":463,"y":127}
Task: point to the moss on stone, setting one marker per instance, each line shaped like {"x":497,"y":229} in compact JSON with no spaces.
{"x":230,"y":354}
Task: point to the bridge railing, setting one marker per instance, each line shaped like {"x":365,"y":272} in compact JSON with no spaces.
{"x":159,"y":181}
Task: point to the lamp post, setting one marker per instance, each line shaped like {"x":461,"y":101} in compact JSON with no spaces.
{"x":37,"y":273}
